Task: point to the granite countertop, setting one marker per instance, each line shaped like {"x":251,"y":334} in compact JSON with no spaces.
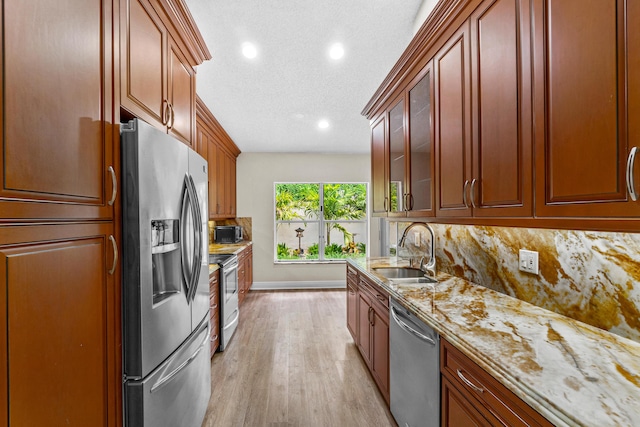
{"x":572,"y":373}
{"x":229,"y":248}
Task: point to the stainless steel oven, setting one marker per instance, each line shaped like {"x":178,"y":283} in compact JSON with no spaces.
{"x":229,"y":293}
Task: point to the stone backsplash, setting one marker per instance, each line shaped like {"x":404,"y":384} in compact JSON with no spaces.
{"x":589,"y":276}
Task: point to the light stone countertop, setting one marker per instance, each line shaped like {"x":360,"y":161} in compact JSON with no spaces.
{"x":572,"y":373}
{"x":229,"y":248}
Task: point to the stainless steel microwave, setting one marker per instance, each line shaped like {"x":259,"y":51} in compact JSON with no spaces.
{"x":227,"y":234}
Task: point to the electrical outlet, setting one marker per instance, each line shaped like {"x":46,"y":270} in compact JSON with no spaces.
{"x":417,"y":238}
{"x":528,"y":261}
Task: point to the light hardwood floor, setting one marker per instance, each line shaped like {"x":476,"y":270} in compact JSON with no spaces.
{"x":292,"y":362}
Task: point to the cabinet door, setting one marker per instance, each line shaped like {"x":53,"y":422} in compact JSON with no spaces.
{"x":143,"y":63}
{"x":214,"y":186}
{"x":457,"y":410}
{"x":583,"y":62}
{"x":232,"y":185}
{"x":182,"y":95}
{"x":379,"y":168}
{"x":453,"y":127}
{"x":59,"y":324}
{"x":501,"y":183}
{"x":57,"y":139}
{"x":380,"y":348}
{"x":364,"y":327}
{"x":420,"y":173}
{"x":397,"y":159}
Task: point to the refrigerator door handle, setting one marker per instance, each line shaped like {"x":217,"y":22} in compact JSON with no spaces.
{"x":187,"y":270}
{"x":197,"y":247}
{"x":182,"y":366}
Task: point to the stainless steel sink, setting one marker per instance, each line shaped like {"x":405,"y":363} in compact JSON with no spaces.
{"x":399,"y":272}
{"x":404,"y":275}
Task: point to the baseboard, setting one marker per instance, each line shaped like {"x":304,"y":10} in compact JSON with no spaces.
{"x":274,"y":286}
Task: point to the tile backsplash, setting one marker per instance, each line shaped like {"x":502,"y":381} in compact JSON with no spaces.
{"x":590,"y":276}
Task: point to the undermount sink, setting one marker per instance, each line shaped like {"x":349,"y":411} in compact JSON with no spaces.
{"x":405,"y":273}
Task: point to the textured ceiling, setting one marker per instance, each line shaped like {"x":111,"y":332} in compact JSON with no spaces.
{"x":274,"y":102}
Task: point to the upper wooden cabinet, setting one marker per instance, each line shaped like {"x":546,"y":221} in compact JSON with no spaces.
{"x":401,"y":153}
{"x":483,"y":114}
{"x":160,"y":46}
{"x":534,"y":114}
{"x":57,"y":158}
{"x":214,"y":144}
{"x":587,"y":78}
{"x":453,"y":125}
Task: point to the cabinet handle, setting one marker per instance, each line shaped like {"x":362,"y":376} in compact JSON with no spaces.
{"x":464,"y":194}
{"x":473,"y":192}
{"x":173,"y":116}
{"x":631,"y":187}
{"x":114,"y":245}
{"x":214,"y":306}
{"x":165,"y":112}
{"x":469,"y":383}
{"x":385,"y":204}
{"x":380,"y":298}
{"x":214,"y":338}
{"x":410,"y":201}
{"x":114,"y":186}
{"x":406,"y":202}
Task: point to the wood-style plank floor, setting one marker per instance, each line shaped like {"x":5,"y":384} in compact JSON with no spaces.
{"x":292,"y":362}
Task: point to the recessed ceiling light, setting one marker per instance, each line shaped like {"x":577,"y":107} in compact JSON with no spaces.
{"x":323,"y":124}
{"x":249,"y":50}
{"x":336,"y":51}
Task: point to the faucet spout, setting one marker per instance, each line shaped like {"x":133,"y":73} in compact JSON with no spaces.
{"x":430,"y":267}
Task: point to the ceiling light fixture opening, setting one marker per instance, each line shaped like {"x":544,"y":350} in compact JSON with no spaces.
{"x":336,"y":51}
{"x":323,"y":124}
{"x":249,"y":50}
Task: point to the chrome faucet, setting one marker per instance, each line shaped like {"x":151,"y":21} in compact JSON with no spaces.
{"x":430,"y":267}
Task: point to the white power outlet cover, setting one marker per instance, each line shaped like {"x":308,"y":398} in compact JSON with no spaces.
{"x":528,"y":261}
{"x":417,"y":238}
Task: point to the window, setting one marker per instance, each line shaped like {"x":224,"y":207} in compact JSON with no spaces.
{"x":320,"y":222}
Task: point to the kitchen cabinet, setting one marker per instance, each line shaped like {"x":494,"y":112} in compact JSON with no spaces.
{"x":470,"y":396}
{"x":352,"y":301}
{"x":60,"y":351}
{"x":59,"y":158}
{"x":160,"y":47}
{"x":221,"y":152}
{"x":401,"y":146}
{"x":59,"y":325}
{"x":587,"y":78}
{"x":245,"y":272}
{"x":483,"y":115}
{"x":373,"y":332}
{"x":379,"y":167}
{"x":214,"y":310}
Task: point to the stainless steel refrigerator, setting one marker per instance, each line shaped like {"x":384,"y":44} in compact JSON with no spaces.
{"x":166,"y":361}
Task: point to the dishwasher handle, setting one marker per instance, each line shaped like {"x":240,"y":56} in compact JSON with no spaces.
{"x":409,"y":329}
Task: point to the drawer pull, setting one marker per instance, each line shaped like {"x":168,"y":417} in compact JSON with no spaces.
{"x":469,"y":383}
{"x":214,"y":306}
{"x":214,"y":338}
{"x":464,"y":194}
{"x":381,"y":298}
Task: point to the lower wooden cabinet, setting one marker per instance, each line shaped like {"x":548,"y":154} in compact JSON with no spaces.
{"x":214,"y":310}
{"x":245,"y":272}
{"x":470,"y":396}
{"x":60,"y":346}
{"x":368,"y":322}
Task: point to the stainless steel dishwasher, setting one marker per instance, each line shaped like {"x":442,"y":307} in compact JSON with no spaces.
{"x":414,"y":364}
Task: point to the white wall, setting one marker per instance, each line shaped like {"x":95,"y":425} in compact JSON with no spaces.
{"x":256,"y":175}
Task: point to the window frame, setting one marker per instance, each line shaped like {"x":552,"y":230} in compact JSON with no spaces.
{"x":321,"y":222}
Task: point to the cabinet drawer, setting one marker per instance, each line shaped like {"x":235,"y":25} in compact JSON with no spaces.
{"x":494,"y":397}
{"x":377,"y":294}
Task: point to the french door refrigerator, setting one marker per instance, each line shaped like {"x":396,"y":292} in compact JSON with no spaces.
{"x":166,"y":362}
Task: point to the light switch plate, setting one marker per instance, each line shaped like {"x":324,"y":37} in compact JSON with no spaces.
{"x":528,"y":261}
